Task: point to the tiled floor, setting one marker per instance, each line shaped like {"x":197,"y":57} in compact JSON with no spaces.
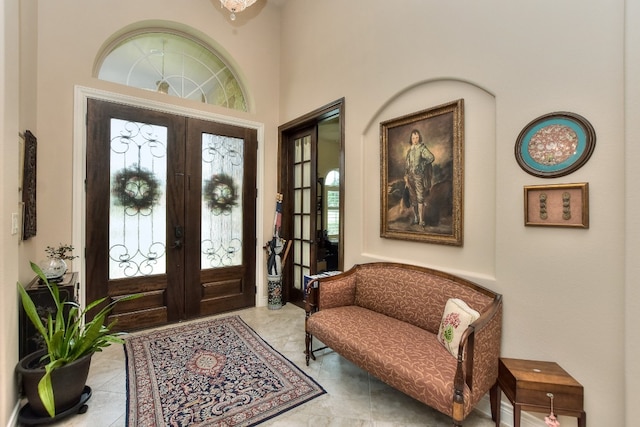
{"x":353,"y":397}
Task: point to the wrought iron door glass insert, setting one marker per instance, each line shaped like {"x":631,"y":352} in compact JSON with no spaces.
{"x":137,"y":216}
{"x":222,"y":219}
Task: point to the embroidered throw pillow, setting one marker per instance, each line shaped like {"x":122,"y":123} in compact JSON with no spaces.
{"x":456,"y":318}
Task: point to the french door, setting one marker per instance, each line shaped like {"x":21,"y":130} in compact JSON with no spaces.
{"x":304,"y":211}
{"x":310,"y":148}
{"x":170,"y":214}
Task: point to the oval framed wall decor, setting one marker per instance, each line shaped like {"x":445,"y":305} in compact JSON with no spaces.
{"x":555,"y":144}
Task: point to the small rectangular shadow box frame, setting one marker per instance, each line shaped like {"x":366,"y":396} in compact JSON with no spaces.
{"x":558,"y":205}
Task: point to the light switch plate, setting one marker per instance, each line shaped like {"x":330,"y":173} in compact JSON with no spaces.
{"x":14,"y":224}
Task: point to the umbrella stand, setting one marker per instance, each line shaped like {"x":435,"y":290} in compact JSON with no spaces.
{"x":274,"y":249}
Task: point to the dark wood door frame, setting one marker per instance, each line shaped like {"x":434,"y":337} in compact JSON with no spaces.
{"x":223,"y":288}
{"x":169,"y":297}
{"x":160,"y":301}
{"x":286,"y":135}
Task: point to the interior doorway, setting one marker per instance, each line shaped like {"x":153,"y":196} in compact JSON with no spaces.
{"x":171,"y":214}
{"x":311,"y":165}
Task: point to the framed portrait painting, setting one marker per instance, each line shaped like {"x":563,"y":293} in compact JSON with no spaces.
{"x":422,"y":176}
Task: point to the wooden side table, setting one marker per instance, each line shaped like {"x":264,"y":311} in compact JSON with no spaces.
{"x":30,"y":338}
{"x":526,"y":384}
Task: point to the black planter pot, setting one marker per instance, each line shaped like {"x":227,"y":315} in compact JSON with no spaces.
{"x":68,"y":382}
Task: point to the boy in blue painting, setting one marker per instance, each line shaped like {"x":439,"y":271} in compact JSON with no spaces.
{"x":417,"y":176}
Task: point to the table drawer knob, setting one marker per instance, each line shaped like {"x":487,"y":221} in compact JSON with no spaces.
{"x":550,"y":419}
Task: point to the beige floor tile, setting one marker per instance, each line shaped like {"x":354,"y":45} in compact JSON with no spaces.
{"x":353,"y":399}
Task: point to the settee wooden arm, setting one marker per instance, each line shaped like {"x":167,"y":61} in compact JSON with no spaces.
{"x":326,"y":292}
{"x":311,"y":297}
{"x":310,"y":307}
{"x":332,"y":291}
{"x":478,"y":370}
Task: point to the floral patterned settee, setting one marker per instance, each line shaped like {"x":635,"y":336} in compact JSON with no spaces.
{"x":386,"y":318}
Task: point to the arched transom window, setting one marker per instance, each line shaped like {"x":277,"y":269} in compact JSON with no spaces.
{"x":175,"y":64}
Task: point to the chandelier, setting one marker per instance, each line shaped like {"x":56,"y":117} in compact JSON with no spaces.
{"x":236,"y":6}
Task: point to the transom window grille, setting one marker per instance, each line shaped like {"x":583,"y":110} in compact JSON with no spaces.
{"x":174,"y":64}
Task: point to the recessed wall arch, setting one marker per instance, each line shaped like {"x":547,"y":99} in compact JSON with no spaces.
{"x":166,"y":57}
{"x":408,"y":89}
{"x":477,"y":257}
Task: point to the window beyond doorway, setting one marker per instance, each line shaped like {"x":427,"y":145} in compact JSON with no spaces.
{"x":332,"y":187}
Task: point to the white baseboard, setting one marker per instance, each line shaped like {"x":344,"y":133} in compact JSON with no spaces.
{"x":13,"y":419}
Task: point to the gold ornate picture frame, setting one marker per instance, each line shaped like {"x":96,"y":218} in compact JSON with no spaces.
{"x":560,"y":205}
{"x":422,"y":175}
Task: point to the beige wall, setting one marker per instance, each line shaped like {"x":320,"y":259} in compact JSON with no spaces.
{"x":66,"y":59}
{"x":632,"y":220}
{"x":64,"y":55}
{"x":250,"y":44}
{"x":565,"y":290}
{"x":8,"y":201}
{"x":17,"y":112}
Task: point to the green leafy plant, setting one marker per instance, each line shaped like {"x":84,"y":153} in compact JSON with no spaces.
{"x":68,"y":337}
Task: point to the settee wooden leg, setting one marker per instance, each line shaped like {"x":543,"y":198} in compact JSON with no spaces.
{"x":458,"y":409}
{"x":458,"y":396}
{"x":495,"y":397}
{"x":309,"y":344}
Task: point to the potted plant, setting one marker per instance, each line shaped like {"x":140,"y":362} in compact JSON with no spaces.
{"x":70,"y":341}
{"x":55,"y":265}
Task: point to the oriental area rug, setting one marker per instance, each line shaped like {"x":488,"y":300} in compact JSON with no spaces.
{"x":210,"y":373}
